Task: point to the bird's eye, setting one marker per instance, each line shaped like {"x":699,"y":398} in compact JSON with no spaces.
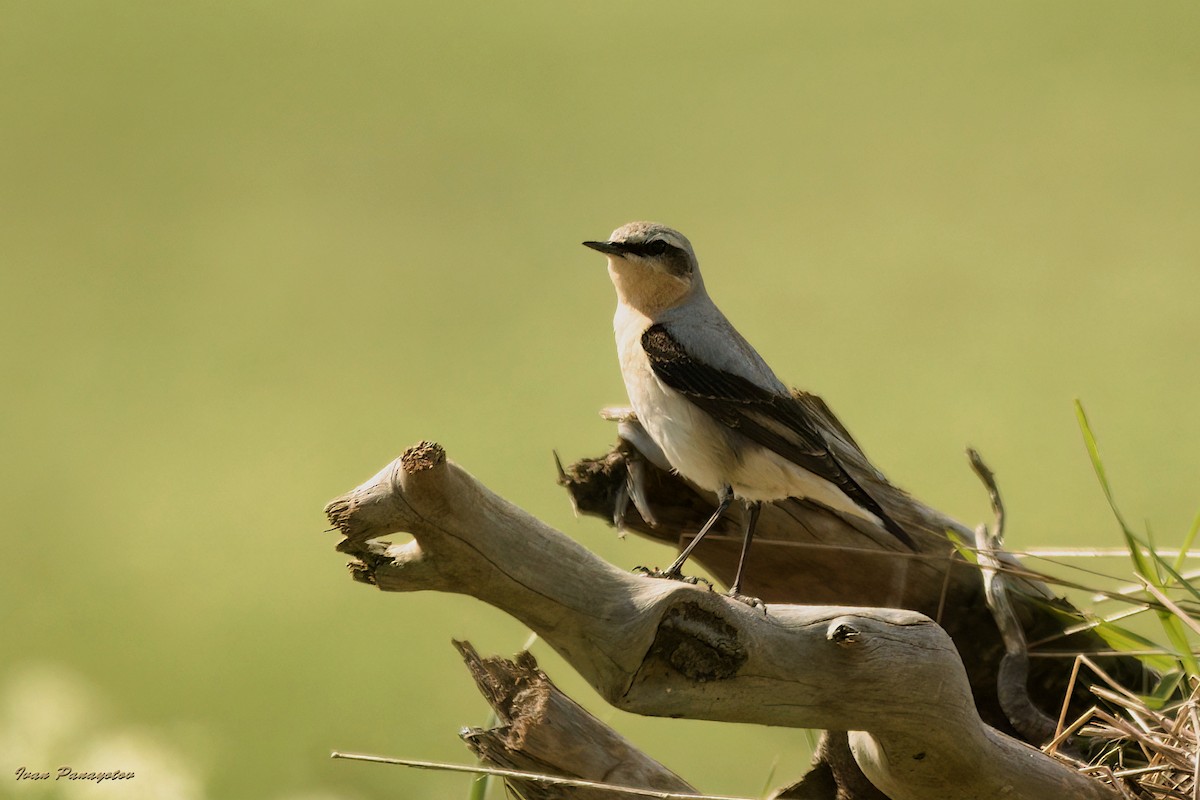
{"x":655,"y":247}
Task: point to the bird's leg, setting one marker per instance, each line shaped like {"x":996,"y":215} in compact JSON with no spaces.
{"x":725,"y":497}
{"x":751,"y":519}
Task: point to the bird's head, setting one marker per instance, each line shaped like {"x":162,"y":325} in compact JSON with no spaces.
{"x":653,"y":267}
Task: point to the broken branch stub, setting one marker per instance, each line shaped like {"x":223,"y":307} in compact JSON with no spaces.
{"x":543,"y":730}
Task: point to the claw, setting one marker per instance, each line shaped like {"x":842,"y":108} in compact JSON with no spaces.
{"x":655,"y":572}
{"x":753,"y":602}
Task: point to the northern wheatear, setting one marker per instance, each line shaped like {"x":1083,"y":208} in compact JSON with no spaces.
{"x":708,"y":400}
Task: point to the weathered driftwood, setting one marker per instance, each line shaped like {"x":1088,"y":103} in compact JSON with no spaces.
{"x":891,"y":677}
{"x":542,"y":730}
{"x":805,"y":553}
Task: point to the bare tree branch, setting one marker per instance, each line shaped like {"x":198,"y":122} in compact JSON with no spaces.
{"x":892,"y":677}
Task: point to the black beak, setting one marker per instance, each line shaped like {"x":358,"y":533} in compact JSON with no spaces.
{"x":608,"y":248}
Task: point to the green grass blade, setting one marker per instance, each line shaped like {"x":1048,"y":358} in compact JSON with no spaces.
{"x":1165,"y":692}
{"x":966,"y":551}
{"x":1089,"y":439}
{"x":1146,"y":560}
{"x":1170,"y":570}
{"x":1188,"y":541}
{"x":1183,"y":582}
{"x":1119,"y":638}
{"x":1141,"y":563}
{"x":482,"y":783}
{"x":479,"y":788}
{"x":769,"y":784}
{"x":1178,"y":636}
{"x":1152,"y":546}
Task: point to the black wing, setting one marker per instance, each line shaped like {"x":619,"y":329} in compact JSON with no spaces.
{"x":777,"y":422}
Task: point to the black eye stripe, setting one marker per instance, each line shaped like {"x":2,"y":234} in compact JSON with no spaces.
{"x":654,"y":247}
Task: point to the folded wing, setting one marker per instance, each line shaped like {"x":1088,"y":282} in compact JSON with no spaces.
{"x":777,"y":422}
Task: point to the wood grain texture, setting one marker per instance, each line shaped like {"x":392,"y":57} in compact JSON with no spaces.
{"x":890,"y":676}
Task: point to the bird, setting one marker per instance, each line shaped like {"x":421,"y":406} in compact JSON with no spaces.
{"x":708,"y":400}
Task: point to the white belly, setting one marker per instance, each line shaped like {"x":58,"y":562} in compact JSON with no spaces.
{"x":708,"y":453}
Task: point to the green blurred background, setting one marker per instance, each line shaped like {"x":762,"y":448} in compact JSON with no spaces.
{"x":250,"y":251}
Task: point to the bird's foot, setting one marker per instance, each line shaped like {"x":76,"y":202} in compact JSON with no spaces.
{"x":671,"y":575}
{"x":753,"y":602}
